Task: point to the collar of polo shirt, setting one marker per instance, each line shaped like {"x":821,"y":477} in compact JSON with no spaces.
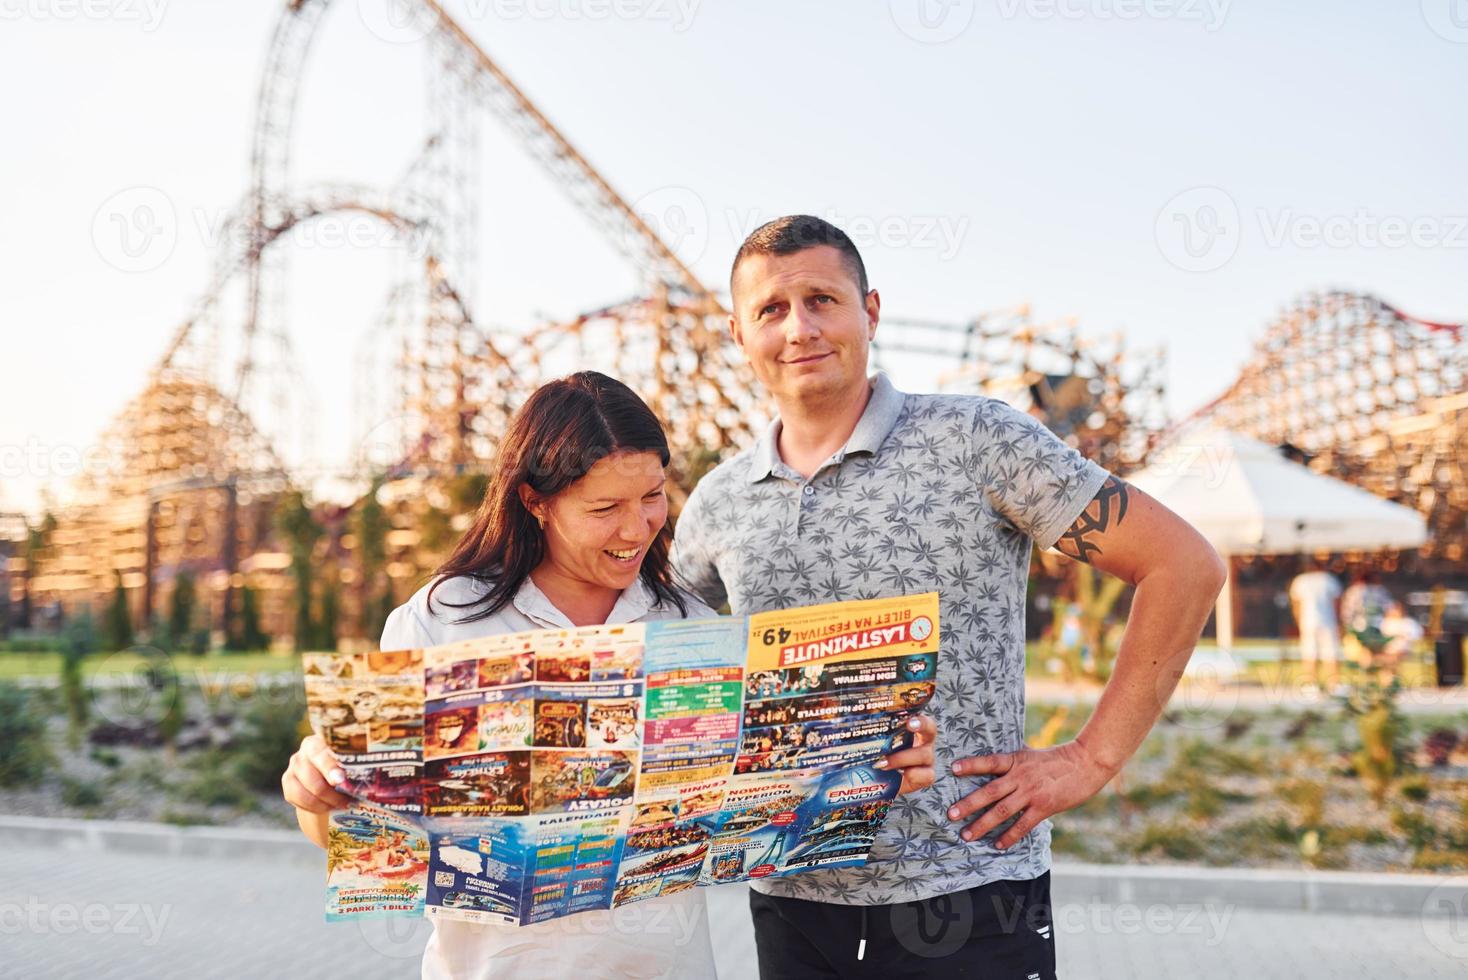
{"x":632,"y":605}
{"x":881,"y":414}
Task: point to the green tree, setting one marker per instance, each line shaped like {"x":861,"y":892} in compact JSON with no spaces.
{"x":6,"y":550}
{"x":327,"y":622}
{"x":181,"y":605}
{"x":435,"y":530}
{"x":466,"y":491}
{"x":252,"y":637}
{"x":370,"y":525}
{"x":119,"y":618}
{"x":301,"y":530}
{"x":78,"y":639}
{"x":382,"y":607}
{"x":79,"y":636}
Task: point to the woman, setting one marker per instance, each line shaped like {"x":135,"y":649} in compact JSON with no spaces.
{"x":572,"y":532}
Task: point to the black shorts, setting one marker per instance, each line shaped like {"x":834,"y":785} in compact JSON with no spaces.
{"x":999,"y":931}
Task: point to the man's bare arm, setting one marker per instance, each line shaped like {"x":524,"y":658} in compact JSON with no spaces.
{"x":1107,"y":510}
{"x":1178,"y":576}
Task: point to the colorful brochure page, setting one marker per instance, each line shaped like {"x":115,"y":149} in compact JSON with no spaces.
{"x":528,"y":776}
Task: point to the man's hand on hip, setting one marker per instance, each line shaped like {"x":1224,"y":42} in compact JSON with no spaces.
{"x":1034,"y":783}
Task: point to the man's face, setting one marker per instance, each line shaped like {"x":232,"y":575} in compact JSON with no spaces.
{"x":803,"y":323}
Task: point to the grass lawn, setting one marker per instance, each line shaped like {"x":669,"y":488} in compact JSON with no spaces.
{"x":209,"y":666}
{"x":1414,"y":671}
{"x":1291,"y":673}
{"x":1269,"y":789}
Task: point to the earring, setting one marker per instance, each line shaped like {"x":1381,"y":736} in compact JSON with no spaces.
{"x":541,"y":521}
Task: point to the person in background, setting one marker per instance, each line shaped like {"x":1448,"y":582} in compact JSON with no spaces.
{"x":572,"y":532}
{"x":1402,"y":634}
{"x":1363,"y":604}
{"x":1315,"y":596}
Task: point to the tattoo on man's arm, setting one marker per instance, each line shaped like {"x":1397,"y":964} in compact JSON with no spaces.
{"x":1106,"y":510}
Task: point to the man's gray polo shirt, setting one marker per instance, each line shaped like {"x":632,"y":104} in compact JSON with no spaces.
{"x":932,"y":493}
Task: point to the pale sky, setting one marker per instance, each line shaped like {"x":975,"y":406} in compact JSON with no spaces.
{"x":1177,"y":169}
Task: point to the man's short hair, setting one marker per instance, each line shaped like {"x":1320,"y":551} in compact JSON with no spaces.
{"x":796,"y":233}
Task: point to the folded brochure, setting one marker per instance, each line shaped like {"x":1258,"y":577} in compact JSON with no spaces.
{"x":523,"y":777}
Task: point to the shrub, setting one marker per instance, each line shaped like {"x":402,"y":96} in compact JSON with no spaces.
{"x":1415,"y":826}
{"x":216,"y":783}
{"x":185,"y":818}
{"x":1177,"y":841}
{"x":1063,"y":841}
{"x":77,"y":792}
{"x":272,"y":733}
{"x":1275,"y":830}
{"x":1380,"y":730}
{"x":1341,"y":834}
{"x":106,"y":757}
{"x":1439,"y":745}
{"x":24,"y":752}
{"x":1150,"y":794}
{"x":1415,"y":789}
{"x":147,"y":772}
{"x":1199,"y":756}
{"x":31,"y":644}
{"x":1261,"y":838}
{"x":1308,"y":797}
{"x":1432,"y":859}
{"x":1301,"y":725}
{"x":1204,"y":800}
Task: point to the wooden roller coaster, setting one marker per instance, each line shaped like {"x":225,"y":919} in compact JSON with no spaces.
{"x":203,"y":459}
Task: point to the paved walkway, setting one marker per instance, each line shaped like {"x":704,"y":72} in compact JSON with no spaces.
{"x":99,"y":914}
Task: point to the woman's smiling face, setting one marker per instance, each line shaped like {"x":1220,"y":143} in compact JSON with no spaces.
{"x":598,"y":529}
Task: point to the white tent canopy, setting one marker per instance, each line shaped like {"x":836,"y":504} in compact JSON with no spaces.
{"x":1245,"y":497}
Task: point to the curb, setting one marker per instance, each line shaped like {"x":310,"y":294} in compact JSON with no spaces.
{"x":1366,"y":893}
{"x":135,"y":837}
{"x":1073,"y":882}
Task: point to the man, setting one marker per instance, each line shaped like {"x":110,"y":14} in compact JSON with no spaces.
{"x":858,"y":491}
{"x":1314,"y":597}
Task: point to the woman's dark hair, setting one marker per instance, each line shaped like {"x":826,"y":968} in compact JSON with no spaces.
{"x":564,"y":429}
